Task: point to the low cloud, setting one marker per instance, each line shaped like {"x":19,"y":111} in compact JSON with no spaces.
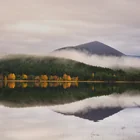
{"x":123,"y":62}
{"x":126,"y":100}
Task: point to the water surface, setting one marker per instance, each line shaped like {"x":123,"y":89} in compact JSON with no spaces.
{"x":70,"y":111}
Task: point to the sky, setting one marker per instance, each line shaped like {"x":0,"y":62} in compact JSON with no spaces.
{"x":40,"y":26}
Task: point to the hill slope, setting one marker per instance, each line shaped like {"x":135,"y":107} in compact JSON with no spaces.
{"x":57,"y":66}
{"x":94,"y":48}
{"x":47,"y":65}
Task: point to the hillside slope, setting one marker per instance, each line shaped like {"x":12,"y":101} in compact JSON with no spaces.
{"x":48,"y":65}
{"x":57,"y":66}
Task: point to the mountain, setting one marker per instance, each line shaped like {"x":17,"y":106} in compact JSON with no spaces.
{"x":94,"y":48}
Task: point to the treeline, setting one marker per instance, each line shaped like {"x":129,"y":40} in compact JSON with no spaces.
{"x":39,"y":78}
{"x":35,"y":66}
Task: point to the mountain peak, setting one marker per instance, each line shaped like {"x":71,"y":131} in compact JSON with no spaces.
{"x":97,"y":42}
{"x":94,"y":47}
{"x":93,"y":43}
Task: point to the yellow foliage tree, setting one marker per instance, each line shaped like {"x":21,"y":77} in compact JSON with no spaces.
{"x":51,"y":77}
{"x":68,"y":78}
{"x":76,"y":78}
{"x":11,"y":76}
{"x":60,"y":79}
{"x":24,"y":77}
{"x":65,"y":77}
{"x":44,"y":77}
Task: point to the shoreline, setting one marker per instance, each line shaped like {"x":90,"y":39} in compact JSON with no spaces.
{"x":49,"y":81}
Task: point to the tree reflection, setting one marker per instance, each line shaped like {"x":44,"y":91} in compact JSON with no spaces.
{"x":37,"y":84}
{"x":1,"y":84}
{"x":11,"y":85}
{"x":24,"y":85}
{"x":66,"y":85}
{"x":44,"y":85}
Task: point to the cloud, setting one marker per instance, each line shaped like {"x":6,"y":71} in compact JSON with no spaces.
{"x":123,"y":62}
{"x":35,"y":27}
{"x":127,"y":99}
{"x":63,"y":23}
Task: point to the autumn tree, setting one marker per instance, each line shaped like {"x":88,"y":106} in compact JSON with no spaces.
{"x":44,"y":77}
{"x":11,"y":76}
{"x":37,"y":78}
{"x":68,"y":78}
{"x":24,"y":77}
{"x":60,"y":79}
{"x":75,"y":78}
{"x":55,"y":78}
{"x":65,"y":77}
{"x":51,"y":77}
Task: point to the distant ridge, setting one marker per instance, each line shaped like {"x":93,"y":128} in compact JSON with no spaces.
{"x":95,"y":47}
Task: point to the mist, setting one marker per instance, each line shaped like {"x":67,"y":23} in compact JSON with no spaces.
{"x":127,"y":99}
{"x":114,"y":62}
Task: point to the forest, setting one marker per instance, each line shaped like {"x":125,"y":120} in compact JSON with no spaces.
{"x":31,"y":67}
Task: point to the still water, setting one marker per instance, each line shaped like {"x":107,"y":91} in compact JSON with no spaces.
{"x":70,"y":111}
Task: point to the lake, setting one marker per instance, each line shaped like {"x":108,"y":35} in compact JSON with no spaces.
{"x":79,"y":111}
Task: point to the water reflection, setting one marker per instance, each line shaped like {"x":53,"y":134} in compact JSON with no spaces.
{"x":99,"y":108}
{"x":53,"y":93}
{"x":13,"y":85}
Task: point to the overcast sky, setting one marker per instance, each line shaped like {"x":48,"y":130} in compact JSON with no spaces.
{"x":40,"y":26}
